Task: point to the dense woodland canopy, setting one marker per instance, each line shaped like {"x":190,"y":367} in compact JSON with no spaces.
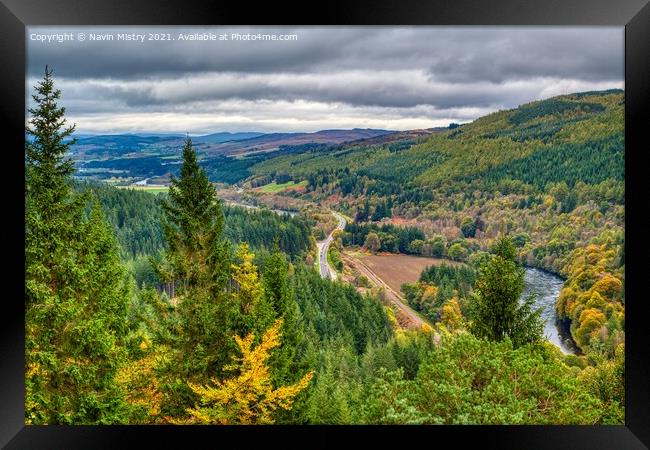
{"x":252,"y":334}
{"x":440,"y":286}
{"x":136,"y":217}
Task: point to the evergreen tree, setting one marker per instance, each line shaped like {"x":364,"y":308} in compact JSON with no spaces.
{"x":379,"y":213}
{"x":363,"y":214}
{"x":194,"y":227}
{"x":197,"y":262}
{"x":280,"y":296}
{"x":495,"y":308}
{"x":389,"y":207}
{"x":74,"y":284}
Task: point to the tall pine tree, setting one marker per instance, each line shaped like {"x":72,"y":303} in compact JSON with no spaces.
{"x":197,"y":253}
{"x":197,"y":261}
{"x":279,"y":295}
{"x":75,"y":293}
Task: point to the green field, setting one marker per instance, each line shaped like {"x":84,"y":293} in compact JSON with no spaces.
{"x":273,"y":188}
{"x":151,"y":189}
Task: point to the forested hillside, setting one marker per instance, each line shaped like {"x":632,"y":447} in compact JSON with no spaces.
{"x":583,"y":121}
{"x":549,"y":173}
{"x":251,"y":333}
{"x":137,"y":216}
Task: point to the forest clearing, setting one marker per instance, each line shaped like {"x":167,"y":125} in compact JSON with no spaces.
{"x":397,"y":269}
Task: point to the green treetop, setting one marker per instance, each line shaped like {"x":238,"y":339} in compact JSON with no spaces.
{"x":75,"y":293}
{"x":197,"y":261}
{"x":279,"y":294}
{"x":194,"y":227}
{"x":495,"y":308}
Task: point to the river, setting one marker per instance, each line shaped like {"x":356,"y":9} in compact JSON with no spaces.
{"x":547,"y":288}
{"x":544,"y":285}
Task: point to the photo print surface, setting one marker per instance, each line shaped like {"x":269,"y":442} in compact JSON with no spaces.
{"x":325,"y":225}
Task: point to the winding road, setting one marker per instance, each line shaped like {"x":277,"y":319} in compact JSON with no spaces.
{"x":323,"y":246}
{"x":406,"y":317}
{"x":546,"y":287}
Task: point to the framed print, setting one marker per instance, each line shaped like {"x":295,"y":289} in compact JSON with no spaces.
{"x":384,"y":221}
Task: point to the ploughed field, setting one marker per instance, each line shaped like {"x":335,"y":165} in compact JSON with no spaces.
{"x":396,"y":270}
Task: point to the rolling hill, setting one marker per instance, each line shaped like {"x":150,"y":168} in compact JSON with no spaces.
{"x":218,"y":138}
{"x":550,"y":174}
{"x":226,"y":156}
{"x":580,"y":133}
{"x":273,"y":141}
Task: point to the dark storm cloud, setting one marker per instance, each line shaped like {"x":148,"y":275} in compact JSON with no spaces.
{"x":586,"y":54}
{"x":402,"y":75}
{"x":131,"y":59}
{"x":385,"y":89}
{"x":458,"y":54}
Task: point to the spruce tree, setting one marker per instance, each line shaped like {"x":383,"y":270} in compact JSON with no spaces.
{"x":197,"y":261}
{"x":278,"y":292}
{"x":194,"y":228}
{"x":495,"y":308}
{"x":75,"y":293}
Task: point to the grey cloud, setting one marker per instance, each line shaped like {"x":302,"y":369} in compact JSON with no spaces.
{"x":460,"y":53}
{"x":389,"y":72}
{"x":128,"y":60}
{"x":394,"y":89}
{"x":587,"y":54}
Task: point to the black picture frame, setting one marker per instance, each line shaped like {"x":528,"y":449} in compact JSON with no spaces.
{"x":634,"y":15}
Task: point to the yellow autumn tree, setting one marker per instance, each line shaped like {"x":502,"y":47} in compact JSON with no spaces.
{"x":607,"y":286}
{"x":589,"y":323}
{"x":596,"y":301}
{"x":141,"y":384}
{"x":248,"y":287}
{"x":248,"y":398}
{"x":451,"y":315}
{"x":429,"y":294}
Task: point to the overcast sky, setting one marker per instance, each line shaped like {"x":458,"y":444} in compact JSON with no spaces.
{"x":328,"y":77}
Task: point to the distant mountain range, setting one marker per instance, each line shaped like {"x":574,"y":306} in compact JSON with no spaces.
{"x":273,"y":141}
{"x":110,"y":145}
{"x":574,"y":137}
{"x":217,"y":138}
